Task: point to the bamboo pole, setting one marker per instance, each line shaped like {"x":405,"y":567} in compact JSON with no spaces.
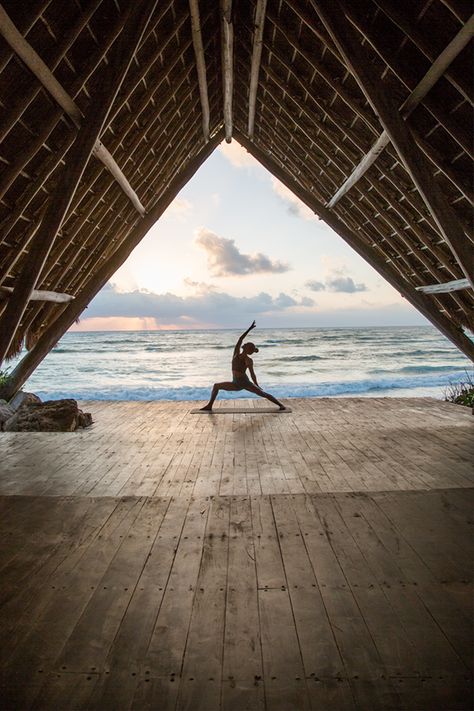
{"x":449,"y":286}
{"x":39,"y":295}
{"x":259,"y":23}
{"x":227,"y":35}
{"x":76,"y":161}
{"x":343,"y":34}
{"x":200,"y":65}
{"x":73,"y":310}
{"x":420,"y":301}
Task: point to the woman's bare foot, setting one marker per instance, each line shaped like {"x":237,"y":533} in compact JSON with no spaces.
{"x":282,"y":407}
{"x":206,"y":408}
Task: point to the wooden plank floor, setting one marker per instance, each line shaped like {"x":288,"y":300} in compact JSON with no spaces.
{"x":320,"y":560}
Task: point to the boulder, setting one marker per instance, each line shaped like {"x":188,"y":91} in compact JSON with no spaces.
{"x":5,"y":412}
{"x":22,"y":399}
{"x":49,"y":416}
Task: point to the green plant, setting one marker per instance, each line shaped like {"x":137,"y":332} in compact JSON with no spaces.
{"x":461,"y":393}
{"x":4,"y":376}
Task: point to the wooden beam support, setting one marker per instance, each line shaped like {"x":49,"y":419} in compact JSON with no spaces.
{"x":200,"y":65}
{"x":76,"y":161}
{"x":419,"y":301}
{"x":259,"y":23}
{"x":73,"y":310}
{"x":227,"y":38}
{"x":395,"y":13}
{"x":54,"y":296}
{"x":36,"y":65}
{"x":434,"y":73}
{"x":344,"y":36}
{"x":446,"y":288}
{"x":366,"y":33}
{"x":369,"y":159}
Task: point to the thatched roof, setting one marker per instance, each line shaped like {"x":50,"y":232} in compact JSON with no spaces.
{"x":408,"y":215}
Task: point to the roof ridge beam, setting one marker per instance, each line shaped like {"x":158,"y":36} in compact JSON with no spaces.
{"x":259,"y":23}
{"x":227,"y":38}
{"x":200,"y":65}
{"x":344,"y":35}
{"x":434,"y":73}
{"x":36,"y":65}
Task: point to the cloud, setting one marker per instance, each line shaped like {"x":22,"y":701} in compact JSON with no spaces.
{"x":238,"y":156}
{"x":179,"y":208}
{"x":336,"y":282}
{"x":294,"y":205}
{"x":204,"y":306}
{"x":201,"y":287}
{"x":224,"y":258}
{"x":344,"y":284}
{"x":316,"y":285}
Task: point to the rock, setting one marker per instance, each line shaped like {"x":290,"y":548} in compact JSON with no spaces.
{"x":49,"y":416}
{"x":84,"y":419}
{"x":5,"y":412}
{"x":22,"y":399}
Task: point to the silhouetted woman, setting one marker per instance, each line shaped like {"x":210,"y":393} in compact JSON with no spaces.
{"x":241,"y":360}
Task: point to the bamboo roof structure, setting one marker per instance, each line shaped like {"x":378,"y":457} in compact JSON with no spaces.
{"x":363,"y":109}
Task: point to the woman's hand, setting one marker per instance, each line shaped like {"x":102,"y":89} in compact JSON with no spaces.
{"x":253,"y":325}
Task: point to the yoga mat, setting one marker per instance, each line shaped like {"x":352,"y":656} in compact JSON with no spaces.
{"x":241,"y":411}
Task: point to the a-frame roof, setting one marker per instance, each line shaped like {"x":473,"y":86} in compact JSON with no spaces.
{"x":307,"y":86}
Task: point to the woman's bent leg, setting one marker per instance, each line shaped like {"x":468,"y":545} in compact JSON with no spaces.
{"x":228,"y":385}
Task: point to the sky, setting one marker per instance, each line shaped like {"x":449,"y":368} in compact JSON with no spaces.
{"x":236,"y":245}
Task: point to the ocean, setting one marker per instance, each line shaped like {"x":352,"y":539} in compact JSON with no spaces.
{"x":292,"y":362}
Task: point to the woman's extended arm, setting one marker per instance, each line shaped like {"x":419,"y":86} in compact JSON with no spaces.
{"x":239,"y":342}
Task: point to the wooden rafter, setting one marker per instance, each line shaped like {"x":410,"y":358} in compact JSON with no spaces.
{"x":446,"y":119}
{"x":359,"y":111}
{"x":259,"y":23}
{"x":73,"y":310}
{"x":343,"y":35}
{"x":39,"y":295}
{"x":419,"y":301}
{"x":200,"y":65}
{"x":36,"y":65}
{"x":395,"y":13}
{"x":76,"y":161}
{"x":434,"y":73}
{"x":449,"y":286}
{"x":227,"y":34}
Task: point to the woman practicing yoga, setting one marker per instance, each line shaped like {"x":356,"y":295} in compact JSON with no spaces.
{"x":240,"y":381}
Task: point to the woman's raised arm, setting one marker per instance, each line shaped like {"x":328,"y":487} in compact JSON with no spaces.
{"x":239,"y":342}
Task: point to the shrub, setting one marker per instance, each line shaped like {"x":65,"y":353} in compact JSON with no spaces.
{"x":461,"y":393}
{"x":4,"y":376}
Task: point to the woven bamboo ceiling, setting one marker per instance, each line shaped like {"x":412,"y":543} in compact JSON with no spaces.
{"x":308,"y":87}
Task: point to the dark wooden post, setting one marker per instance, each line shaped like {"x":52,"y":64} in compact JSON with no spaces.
{"x":418,"y":300}
{"x":345,"y":38}
{"x":77,"y":157}
{"x":74,"y":309}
